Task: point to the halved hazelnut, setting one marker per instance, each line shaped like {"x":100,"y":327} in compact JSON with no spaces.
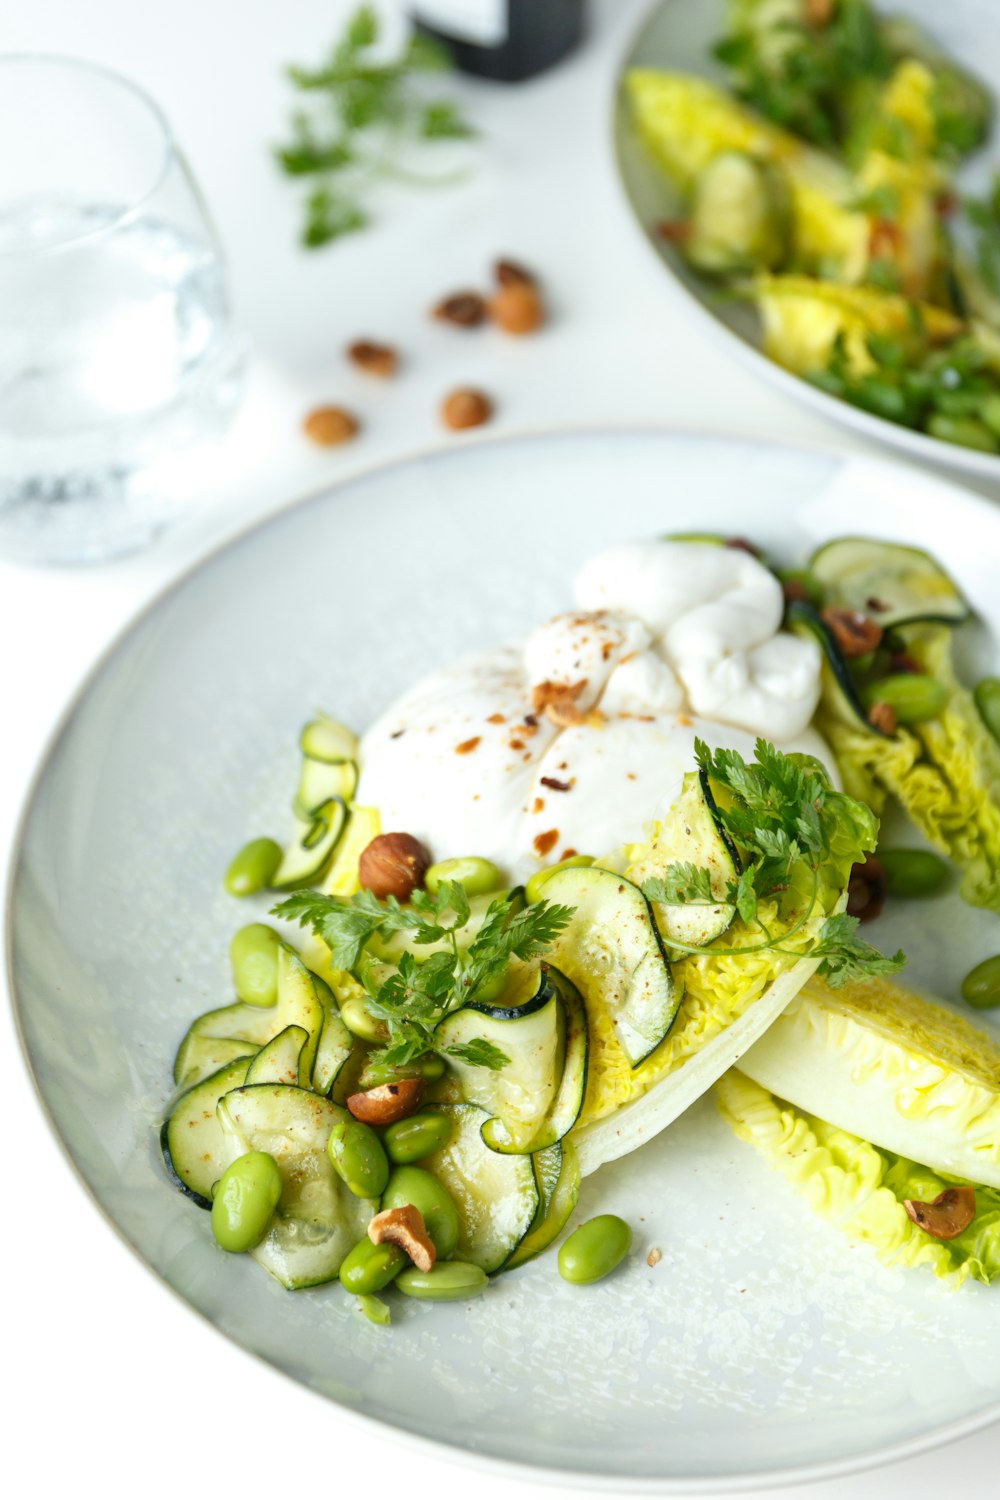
{"x":882,"y":716}
{"x":950,"y":1213}
{"x":393,"y":864}
{"x":404,"y":1227}
{"x":330,"y":425}
{"x":388,"y":1103}
{"x":855,"y":632}
{"x":510,"y":273}
{"x":466,"y":407}
{"x":866,"y":890}
{"x":374,"y":359}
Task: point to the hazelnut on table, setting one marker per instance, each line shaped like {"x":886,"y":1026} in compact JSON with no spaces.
{"x":374,"y":359}
{"x":517,"y":308}
{"x":466,"y":408}
{"x":462,"y":309}
{"x":330,"y":425}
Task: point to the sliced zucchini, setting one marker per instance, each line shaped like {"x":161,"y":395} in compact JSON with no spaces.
{"x":335,"y":1041}
{"x":325,"y":739}
{"x":363,"y":825}
{"x":691,"y":832}
{"x":532,"y":1035}
{"x":612,"y":952}
{"x":318,"y":1219}
{"x":200,"y":1056}
{"x":194,"y":1146}
{"x":312,"y":849}
{"x":560,"y":1203}
{"x":251,"y":1025}
{"x":300,"y":1003}
{"x":281,"y":1060}
{"x":839,"y":691}
{"x":567,"y":1101}
{"x":320,"y":781}
{"x":496,"y":1195}
{"x":894,"y":584}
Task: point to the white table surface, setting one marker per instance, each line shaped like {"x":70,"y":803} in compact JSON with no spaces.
{"x":103,"y":1366}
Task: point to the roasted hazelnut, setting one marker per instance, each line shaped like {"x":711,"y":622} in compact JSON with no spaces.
{"x":463,"y":309}
{"x":854,"y":632}
{"x":947,"y":1216}
{"x":330,"y":425}
{"x":882,"y":716}
{"x":374,"y":359}
{"x":387,"y":1103}
{"x":517,"y":308}
{"x":405,"y":1227}
{"x":509,"y":273}
{"x":557,"y":701}
{"x":466,"y":408}
{"x":866,"y":890}
{"x":393,"y":864}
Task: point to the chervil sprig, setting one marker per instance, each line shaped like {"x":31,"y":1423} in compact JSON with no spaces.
{"x":417,"y":994}
{"x":797,"y":838}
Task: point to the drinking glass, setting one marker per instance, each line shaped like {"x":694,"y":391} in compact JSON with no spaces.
{"x":119,"y":360}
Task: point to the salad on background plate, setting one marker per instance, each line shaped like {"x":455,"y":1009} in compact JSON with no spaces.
{"x":559,"y":891}
{"x":812,"y":163}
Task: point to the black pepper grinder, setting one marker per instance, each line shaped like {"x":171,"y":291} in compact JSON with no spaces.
{"x":503,"y":39}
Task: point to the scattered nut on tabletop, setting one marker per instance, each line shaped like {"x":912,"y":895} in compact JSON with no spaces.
{"x":387,"y":1103}
{"x":405,"y":1227}
{"x":463,"y":309}
{"x":393,"y":864}
{"x":466,"y":408}
{"x":517,"y":308}
{"x":510,"y":273}
{"x":374,"y":359}
{"x":330,"y":425}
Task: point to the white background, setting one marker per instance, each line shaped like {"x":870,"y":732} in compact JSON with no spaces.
{"x":111,"y":1382}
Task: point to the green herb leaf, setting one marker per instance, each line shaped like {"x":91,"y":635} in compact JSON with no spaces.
{"x":848,"y":958}
{"x":362,"y":99}
{"x":681,"y":884}
{"x":479,"y":1053}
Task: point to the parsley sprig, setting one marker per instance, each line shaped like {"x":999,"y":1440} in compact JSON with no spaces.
{"x":362,"y":110}
{"x":797,"y":838}
{"x":417,"y":995}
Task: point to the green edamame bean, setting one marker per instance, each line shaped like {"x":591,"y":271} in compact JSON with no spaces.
{"x":478,"y":877}
{"x":357,"y":1157}
{"x":355,"y":1016}
{"x":965,"y":431}
{"x":430,"y":1067}
{"x":414,"y":1138}
{"x":253,"y":867}
{"x":987,"y":696}
{"x":245,"y":1198}
{"x":446,"y":1281}
{"x":533,"y":889}
{"x":914,"y":696}
{"x":253,"y":954}
{"x":595,"y":1249}
{"x":912,"y":872}
{"x":981,"y":986}
{"x":421,"y":1188}
{"x":368,"y":1268}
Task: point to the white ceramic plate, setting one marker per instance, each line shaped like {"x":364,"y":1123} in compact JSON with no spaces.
{"x":762,"y":1346}
{"x":678,"y":35}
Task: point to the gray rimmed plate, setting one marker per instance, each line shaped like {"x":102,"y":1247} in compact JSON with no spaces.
{"x":678,"y":36}
{"x":762,"y":1346}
